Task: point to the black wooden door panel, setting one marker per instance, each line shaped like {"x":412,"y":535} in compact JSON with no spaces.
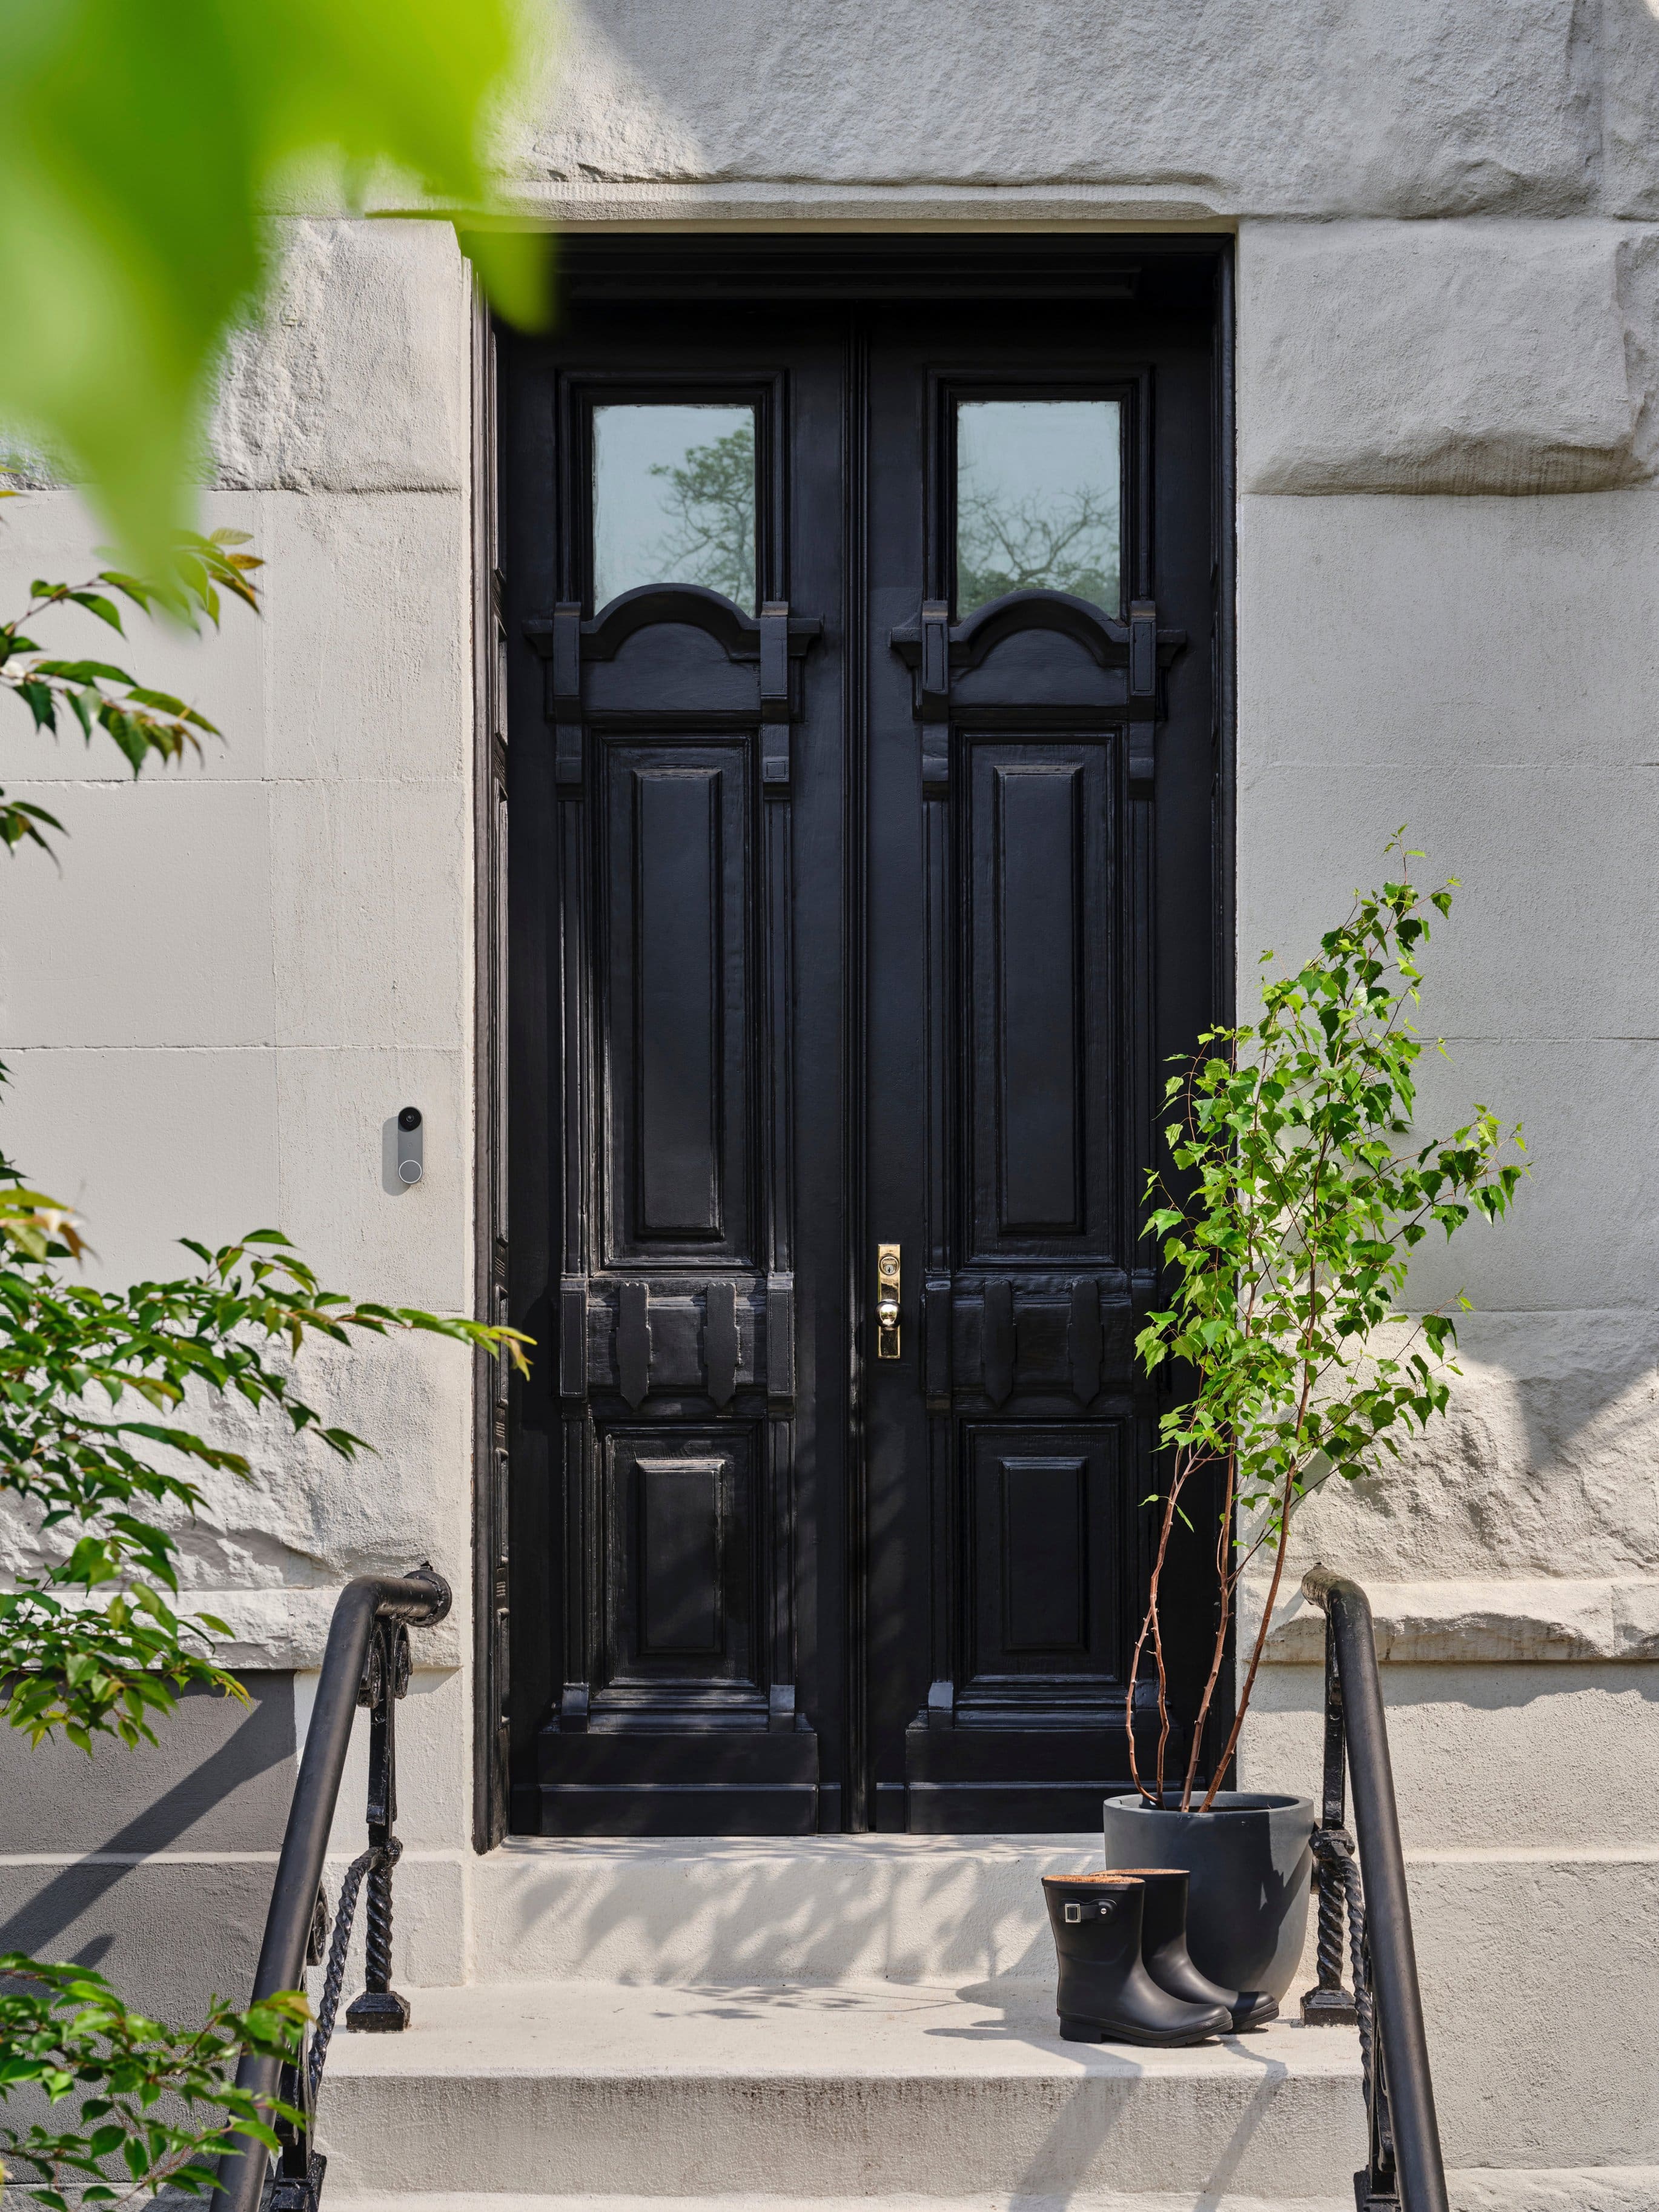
{"x":682,"y":1586}
{"x":865,"y":743}
{"x":1042,"y":1002}
{"x":680,"y":1018}
{"x":1044,"y":1507}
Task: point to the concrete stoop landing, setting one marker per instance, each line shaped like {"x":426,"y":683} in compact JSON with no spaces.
{"x":859,"y":2092}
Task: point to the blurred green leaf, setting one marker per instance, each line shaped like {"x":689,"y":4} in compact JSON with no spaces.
{"x":143,"y":142}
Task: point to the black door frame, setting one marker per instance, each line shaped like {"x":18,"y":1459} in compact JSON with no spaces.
{"x":798,"y":266}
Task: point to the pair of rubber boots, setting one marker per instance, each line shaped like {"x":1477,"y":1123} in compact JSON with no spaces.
{"x":1126,"y":1975}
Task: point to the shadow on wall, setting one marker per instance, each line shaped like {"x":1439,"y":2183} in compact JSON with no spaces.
{"x":79,"y":1836}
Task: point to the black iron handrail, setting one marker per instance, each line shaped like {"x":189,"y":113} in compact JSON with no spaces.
{"x":366,"y":1662}
{"x":1404,"y":2168}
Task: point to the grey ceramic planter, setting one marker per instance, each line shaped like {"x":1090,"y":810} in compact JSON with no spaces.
{"x":1251,"y":1862}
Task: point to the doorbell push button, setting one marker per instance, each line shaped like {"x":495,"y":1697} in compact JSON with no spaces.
{"x":409,"y":1144}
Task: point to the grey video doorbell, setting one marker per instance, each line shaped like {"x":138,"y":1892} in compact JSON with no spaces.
{"x":410,"y":1162}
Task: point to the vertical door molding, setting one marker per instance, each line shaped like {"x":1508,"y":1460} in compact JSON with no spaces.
{"x":491,"y":1377}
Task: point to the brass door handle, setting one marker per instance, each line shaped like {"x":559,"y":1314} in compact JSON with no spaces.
{"x":887,"y":1301}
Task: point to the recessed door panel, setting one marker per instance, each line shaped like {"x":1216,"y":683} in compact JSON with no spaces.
{"x":1046,"y":1545}
{"x":679,"y":1024}
{"x":680,"y":1592}
{"x":1040,"y":998}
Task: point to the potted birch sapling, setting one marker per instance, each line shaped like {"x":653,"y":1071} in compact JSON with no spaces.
{"x":1300,"y":1186}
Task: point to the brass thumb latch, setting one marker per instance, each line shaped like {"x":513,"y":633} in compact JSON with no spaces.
{"x":887,"y":1301}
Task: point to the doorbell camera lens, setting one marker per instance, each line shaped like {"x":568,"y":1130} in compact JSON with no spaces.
{"x":409,"y":1118}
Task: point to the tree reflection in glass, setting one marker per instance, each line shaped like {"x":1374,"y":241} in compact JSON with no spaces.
{"x":1039,"y":499}
{"x":674,"y":499}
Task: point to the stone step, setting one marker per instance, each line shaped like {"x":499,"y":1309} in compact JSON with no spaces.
{"x":1469,"y":2189}
{"x":855,"y":2090}
{"x":1164,"y":2201}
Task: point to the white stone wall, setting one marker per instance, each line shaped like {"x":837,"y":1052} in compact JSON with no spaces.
{"x":246,"y":966}
{"x":1448,"y":224}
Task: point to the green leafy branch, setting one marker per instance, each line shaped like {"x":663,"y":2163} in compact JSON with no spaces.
{"x":64,"y":2031}
{"x":89,"y":1381}
{"x":1300,"y":1194}
{"x":144,"y":724}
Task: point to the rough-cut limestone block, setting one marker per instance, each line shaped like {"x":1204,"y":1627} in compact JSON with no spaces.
{"x":1477,"y":1750}
{"x":268,"y":1553}
{"x":1512,"y":1620}
{"x":358,"y":379}
{"x":287,"y":1626}
{"x":1543,"y":1468}
{"x":1434,"y":358}
{"x":1402,"y":633}
{"x":1629,"y":37}
{"x":1544,"y":1465}
{"x":1239,"y":105}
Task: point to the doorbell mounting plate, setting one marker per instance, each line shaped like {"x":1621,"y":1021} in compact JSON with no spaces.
{"x":409,"y":1144}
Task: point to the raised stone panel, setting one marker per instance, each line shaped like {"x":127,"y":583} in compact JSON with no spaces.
{"x":1268,"y":106}
{"x":1445,"y":357}
{"x":1515,"y":1620}
{"x":358,"y":378}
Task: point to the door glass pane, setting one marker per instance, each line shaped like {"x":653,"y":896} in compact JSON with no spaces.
{"x":674,"y":499}
{"x":1038,"y":500}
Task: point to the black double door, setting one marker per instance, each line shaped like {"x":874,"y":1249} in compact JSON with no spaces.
{"x":860,"y":611}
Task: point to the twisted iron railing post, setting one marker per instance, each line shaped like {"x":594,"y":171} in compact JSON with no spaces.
{"x":367,"y":1661}
{"x":1404,"y":2171}
{"x":1327,"y":2004}
{"x":385,"y":1678}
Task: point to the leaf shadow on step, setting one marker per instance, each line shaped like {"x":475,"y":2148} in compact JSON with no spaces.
{"x":760,"y":2001}
{"x":749,"y":1911}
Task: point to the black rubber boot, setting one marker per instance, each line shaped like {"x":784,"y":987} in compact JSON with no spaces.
{"x":1170,"y":1963}
{"x":1106,"y":1994}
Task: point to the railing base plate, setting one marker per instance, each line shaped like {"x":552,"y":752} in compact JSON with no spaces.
{"x":1328,"y":2008}
{"x":289,"y":2192}
{"x":378,"y":2012}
